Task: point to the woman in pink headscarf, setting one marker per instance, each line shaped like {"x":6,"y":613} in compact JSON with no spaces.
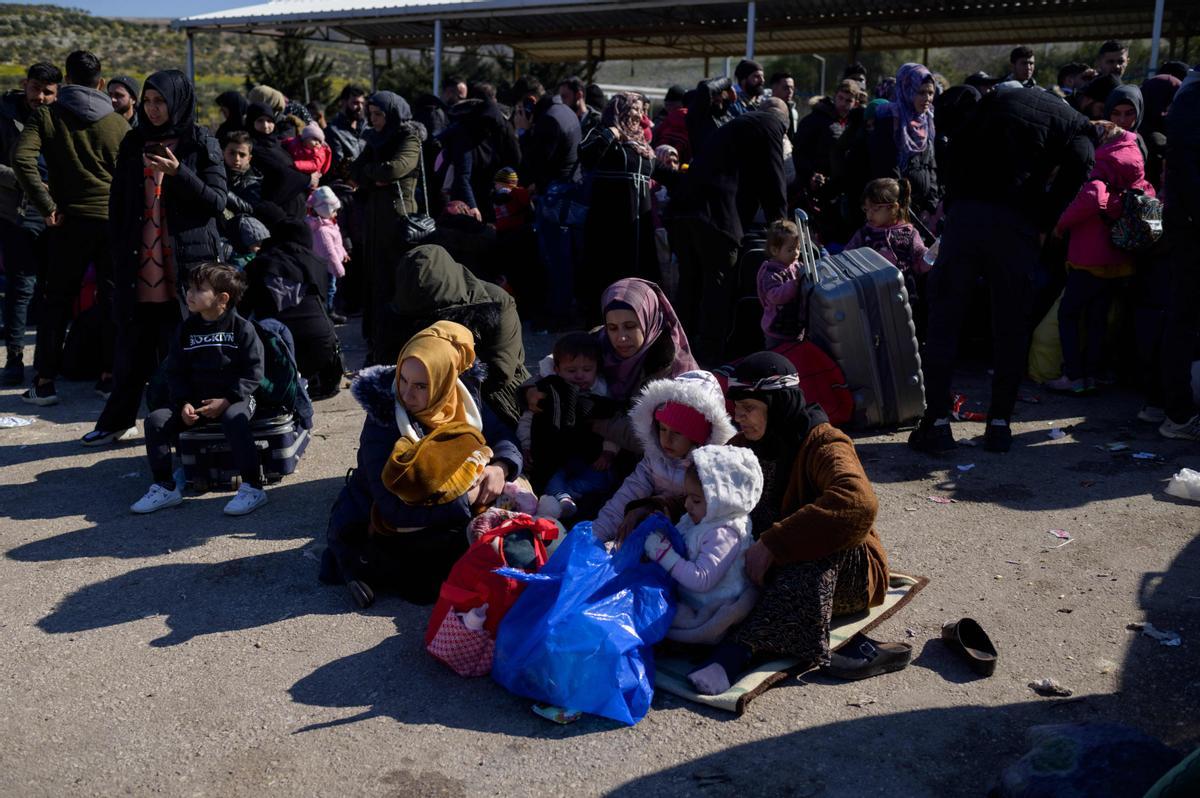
{"x":642,"y":340}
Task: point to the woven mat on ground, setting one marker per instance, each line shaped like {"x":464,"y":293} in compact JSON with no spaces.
{"x":671,"y":673}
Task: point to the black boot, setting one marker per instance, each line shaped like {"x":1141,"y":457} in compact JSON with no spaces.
{"x":14,"y":368}
{"x":932,"y":438}
{"x":997,"y":437}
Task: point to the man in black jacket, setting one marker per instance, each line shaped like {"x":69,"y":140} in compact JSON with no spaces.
{"x":1182,"y":331}
{"x":1015,"y":164}
{"x":21,"y":226}
{"x":739,"y":171}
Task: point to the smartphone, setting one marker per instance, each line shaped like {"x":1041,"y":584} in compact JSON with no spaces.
{"x":157,"y":148}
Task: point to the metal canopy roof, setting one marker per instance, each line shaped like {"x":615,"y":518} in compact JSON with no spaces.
{"x":633,"y":29}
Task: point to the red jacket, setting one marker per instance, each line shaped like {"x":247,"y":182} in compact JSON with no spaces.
{"x":673,"y":130}
{"x":308,"y":160}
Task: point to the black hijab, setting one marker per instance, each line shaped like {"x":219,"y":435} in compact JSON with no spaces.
{"x":771,"y":379}
{"x":235,"y":104}
{"x":253,"y":112}
{"x":176,"y":89}
{"x":395,"y":109}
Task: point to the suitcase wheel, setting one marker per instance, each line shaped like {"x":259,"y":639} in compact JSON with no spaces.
{"x":235,"y":482}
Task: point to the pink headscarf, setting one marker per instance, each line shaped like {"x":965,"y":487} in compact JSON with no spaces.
{"x":656,"y":317}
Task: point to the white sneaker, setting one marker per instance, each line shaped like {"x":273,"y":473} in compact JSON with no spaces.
{"x":1152,"y":415}
{"x":247,"y":500}
{"x":157,"y":498}
{"x":99,"y":438}
{"x":1187,"y":431}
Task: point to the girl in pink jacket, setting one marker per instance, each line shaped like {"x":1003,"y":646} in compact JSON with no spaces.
{"x":1096,"y":270}
{"x":323,"y":206}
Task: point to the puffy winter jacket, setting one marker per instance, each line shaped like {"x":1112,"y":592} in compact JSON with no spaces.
{"x":658,"y":474}
{"x":1088,"y":218}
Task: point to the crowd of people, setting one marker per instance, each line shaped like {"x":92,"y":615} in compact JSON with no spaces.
{"x":450,"y":224}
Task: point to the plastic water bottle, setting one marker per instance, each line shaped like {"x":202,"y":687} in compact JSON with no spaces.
{"x":931,"y":254}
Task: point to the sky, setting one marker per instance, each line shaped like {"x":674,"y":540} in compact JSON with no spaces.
{"x":142,"y":8}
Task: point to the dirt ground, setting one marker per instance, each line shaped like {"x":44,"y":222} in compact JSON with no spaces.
{"x":187,"y":653}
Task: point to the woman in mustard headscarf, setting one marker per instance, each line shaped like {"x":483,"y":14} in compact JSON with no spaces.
{"x":430,"y":453}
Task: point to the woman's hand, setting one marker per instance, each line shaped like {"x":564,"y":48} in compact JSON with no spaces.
{"x":604,"y":461}
{"x":491,"y":483}
{"x":533,"y":398}
{"x":167,"y":164}
{"x":759,"y":560}
{"x":631,"y":521}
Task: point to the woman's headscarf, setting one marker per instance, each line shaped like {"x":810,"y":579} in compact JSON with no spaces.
{"x":446,"y":349}
{"x":771,"y":378}
{"x":622,"y":112}
{"x":395,"y":109}
{"x":912,"y":133}
{"x":953,"y":107}
{"x":234,"y":103}
{"x":269,"y":96}
{"x":255,"y":111}
{"x":176,"y":89}
{"x":656,"y":317}
{"x":873,"y":108}
{"x":1157,"y":92}
{"x":1125,"y":94}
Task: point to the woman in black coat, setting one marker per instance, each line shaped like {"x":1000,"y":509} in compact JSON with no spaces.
{"x":286,"y":281}
{"x":619,"y":231}
{"x":168,"y":191}
{"x":282,"y":184}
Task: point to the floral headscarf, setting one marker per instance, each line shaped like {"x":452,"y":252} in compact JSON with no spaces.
{"x":624,"y":112}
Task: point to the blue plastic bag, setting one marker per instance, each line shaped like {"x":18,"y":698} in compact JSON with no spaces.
{"x":580,"y":634}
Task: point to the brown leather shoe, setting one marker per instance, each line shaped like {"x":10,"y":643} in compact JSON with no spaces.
{"x":967,"y":638}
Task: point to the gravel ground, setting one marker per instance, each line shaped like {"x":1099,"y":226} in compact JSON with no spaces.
{"x":187,"y":653}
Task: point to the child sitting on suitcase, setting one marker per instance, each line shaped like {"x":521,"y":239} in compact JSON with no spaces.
{"x":214,"y":367}
{"x":721,"y":488}
{"x":779,"y":284}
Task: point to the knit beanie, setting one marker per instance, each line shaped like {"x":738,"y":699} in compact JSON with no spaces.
{"x":312,"y":131}
{"x":129,"y":83}
{"x":440,"y":467}
{"x":324,"y":202}
{"x":250,"y":232}
{"x":687,"y":421}
{"x":507,"y":176}
{"x":745,"y":69}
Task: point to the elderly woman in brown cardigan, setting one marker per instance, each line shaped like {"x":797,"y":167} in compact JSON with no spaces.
{"x":816,"y":553}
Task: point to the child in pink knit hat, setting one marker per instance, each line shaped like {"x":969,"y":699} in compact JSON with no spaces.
{"x":310,"y":154}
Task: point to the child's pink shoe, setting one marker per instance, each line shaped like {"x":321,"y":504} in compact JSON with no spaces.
{"x":519,"y":499}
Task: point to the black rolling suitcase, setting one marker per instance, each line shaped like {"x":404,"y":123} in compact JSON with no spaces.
{"x":856,"y":309}
{"x":208,"y":461}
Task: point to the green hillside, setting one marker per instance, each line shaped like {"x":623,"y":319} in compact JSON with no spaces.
{"x":31,"y":33}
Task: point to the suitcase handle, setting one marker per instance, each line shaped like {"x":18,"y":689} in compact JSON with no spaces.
{"x":807,"y":261}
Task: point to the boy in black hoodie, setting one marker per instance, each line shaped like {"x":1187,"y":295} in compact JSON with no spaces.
{"x":213,"y":369}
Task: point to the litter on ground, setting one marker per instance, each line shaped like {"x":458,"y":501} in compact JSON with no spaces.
{"x":1163,"y":636}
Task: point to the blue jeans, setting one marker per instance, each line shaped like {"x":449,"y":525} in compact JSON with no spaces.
{"x":20,"y":272}
{"x":578,"y":480}
{"x":332,"y":292}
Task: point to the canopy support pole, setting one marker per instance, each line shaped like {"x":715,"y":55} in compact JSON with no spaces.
{"x":1155,"y":36}
{"x":191,"y":57}
{"x":374,"y":71}
{"x":437,"y":58}
{"x":752,"y":19}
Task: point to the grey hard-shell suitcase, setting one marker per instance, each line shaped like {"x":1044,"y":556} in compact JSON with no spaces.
{"x":856,"y":309}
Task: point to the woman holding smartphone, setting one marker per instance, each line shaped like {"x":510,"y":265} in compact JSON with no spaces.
{"x":167,"y":192}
